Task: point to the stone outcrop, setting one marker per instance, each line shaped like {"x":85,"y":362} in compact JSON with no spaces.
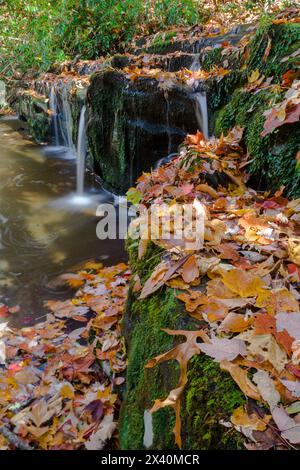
{"x":133,"y":125}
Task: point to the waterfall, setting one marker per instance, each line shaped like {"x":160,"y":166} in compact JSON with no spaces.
{"x":195,"y":65}
{"x":201,"y":112}
{"x":53,"y":109}
{"x":81,"y":152}
{"x":66,"y":122}
{"x":62,"y":122}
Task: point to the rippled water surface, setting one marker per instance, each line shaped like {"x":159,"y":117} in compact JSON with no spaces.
{"x":43,"y":229}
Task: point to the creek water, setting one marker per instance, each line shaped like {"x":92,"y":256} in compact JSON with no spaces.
{"x":44,"y":228}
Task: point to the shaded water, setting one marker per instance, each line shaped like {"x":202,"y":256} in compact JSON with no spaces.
{"x":42,"y":231}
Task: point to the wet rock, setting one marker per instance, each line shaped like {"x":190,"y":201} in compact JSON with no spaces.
{"x":32,"y":107}
{"x":132,"y":125}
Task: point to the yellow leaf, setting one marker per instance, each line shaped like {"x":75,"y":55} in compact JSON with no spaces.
{"x":241,"y":418}
{"x":254,"y":76}
{"x":242,"y":283}
{"x":67,"y":392}
{"x":93,"y":265}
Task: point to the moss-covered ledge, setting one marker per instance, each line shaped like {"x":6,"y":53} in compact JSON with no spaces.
{"x":270,"y":52}
{"x":210,"y":396}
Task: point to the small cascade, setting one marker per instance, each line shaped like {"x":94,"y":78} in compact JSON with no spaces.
{"x":53,"y":109}
{"x":81,"y":153}
{"x":66,"y":122}
{"x":195,"y":65}
{"x":201,"y":112}
{"x":62,"y":123}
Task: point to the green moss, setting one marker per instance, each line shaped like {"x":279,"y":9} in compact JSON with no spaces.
{"x":214,"y":58}
{"x":220,"y":91}
{"x":106,"y":135}
{"x":274,"y":162}
{"x":161,"y":41}
{"x":146,"y":341}
{"x":284,"y":40}
{"x":210,"y":396}
{"x":35,"y":111}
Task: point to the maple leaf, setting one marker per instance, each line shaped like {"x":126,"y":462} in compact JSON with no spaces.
{"x":4,"y":311}
{"x":235,"y":323}
{"x":254,"y":76}
{"x":105,"y":431}
{"x":290,"y":430}
{"x":264,"y":348}
{"x":292,"y":386}
{"x":182,"y":353}
{"x":190,"y":270}
{"x":287,"y":112}
{"x":289,"y":322}
{"x":192,"y":300}
{"x":242,"y":283}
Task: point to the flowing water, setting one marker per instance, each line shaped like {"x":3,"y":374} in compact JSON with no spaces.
{"x":195,"y":65}
{"x":43,"y":229}
{"x":62,"y":123}
{"x":81,"y":152}
{"x":201,"y":112}
{"x":53,"y":109}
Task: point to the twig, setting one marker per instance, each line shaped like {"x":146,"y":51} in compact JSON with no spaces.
{"x":14,"y":440}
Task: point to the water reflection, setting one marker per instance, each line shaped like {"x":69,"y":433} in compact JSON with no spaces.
{"x":44,"y":228}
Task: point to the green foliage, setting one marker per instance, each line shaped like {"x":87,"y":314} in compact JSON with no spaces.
{"x":284,"y":40}
{"x":36,"y":33}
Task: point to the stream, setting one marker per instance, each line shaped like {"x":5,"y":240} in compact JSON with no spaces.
{"x":46,"y":227}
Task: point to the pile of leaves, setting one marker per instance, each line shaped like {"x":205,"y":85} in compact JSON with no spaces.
{"x":59,"y":379}
{"x":243,"y":285}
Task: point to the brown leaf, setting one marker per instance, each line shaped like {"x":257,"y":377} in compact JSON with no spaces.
{"x":240,"y":376}
{"x":182,"y":353}
{"x":160,"y":275}
{"x":190,"y":270}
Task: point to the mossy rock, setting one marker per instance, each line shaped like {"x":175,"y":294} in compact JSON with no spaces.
{"x":33,"y":110}
{"x":273,"y":157}
{"x":132,"y":125}
{"x":283,"y":39}
{"x":210,"y":395}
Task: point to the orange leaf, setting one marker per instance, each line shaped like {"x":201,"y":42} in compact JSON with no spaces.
{"x":240,"y":376}
{"x":190,"y":270}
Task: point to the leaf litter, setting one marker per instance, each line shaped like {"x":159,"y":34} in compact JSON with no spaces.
{"x":59,"y":382}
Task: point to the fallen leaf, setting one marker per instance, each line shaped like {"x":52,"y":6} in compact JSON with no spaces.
{"x":240,"y":376}
{"x":182,"y":353}
{"x":224,"y":349}
{"x":266,"y":387}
